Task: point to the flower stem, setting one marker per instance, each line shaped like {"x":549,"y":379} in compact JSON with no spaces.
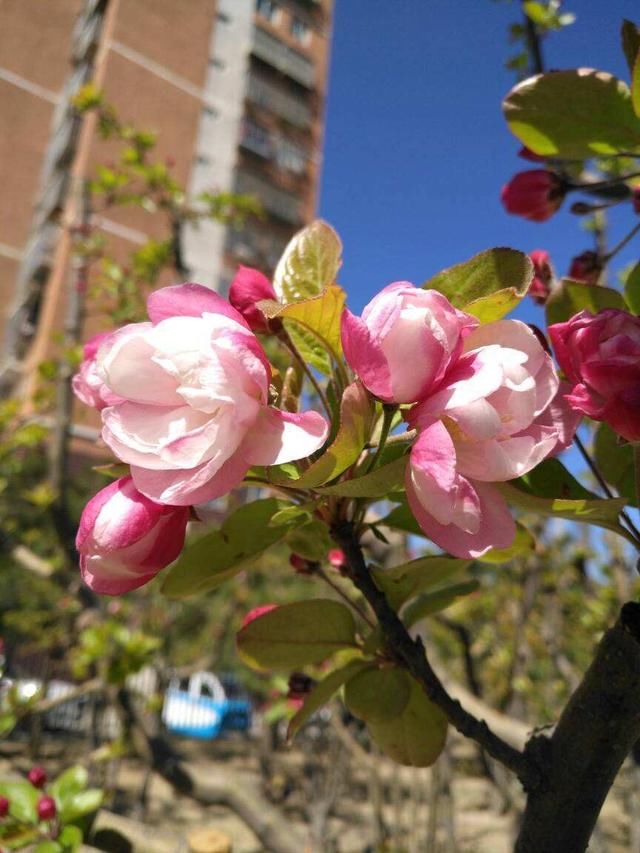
{"x":622,"y":243}
{"x":388,"y":411}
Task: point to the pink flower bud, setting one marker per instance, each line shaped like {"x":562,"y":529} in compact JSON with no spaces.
{"x":37,"y":776}
{"x":542,"y":276}
{"x":301,"y":565}
{"x":248,"y":287}
{"x":600,"y":355}
{"x":87,"y":384}
{"x":405,"y":341}
{"x":256,"y":613}
{"x":535,"y":194}
{"x":586,"y":267}
{"x":337,"y":559}
{"x":46,"y":808}
{"x":4,"y":807}
{"x":528,"y":154}
{"x":124,"y":538}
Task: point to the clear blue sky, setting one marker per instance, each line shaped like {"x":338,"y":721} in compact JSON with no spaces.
{"x":416,"y":149}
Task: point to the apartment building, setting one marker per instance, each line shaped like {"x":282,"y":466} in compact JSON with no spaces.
{"x":235,"y":90}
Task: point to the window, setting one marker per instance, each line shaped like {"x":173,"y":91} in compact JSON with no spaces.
{"x":269,"y":10}
{"x":256,"y":139}
{"x":290,"y":157}
{"x":300,"y":31}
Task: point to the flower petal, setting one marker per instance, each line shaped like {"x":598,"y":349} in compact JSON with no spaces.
{"x":365,"y":356}
{"x":189,"y":300}
{"x":278,"y":437}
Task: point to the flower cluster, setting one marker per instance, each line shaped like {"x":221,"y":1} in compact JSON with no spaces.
{"x":185,"y":402}
{"x":481,"y":400}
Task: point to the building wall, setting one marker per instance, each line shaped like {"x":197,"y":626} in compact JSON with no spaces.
{"x":187,"y":71}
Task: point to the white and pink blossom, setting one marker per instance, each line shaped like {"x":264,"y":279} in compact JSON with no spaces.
{"x":193,"y":415}
{"x":488,"y":422}
{"x":405,"y":341}
{"x":87,"y":383}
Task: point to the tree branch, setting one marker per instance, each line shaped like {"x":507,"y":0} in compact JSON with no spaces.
{"x":411,"y":654}
{"x":594,"y":735}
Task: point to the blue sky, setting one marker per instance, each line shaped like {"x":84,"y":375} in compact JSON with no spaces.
{"x":416,"y":148}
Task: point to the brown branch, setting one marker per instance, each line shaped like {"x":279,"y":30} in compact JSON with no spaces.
{"x":411,"y":654}
{"x":594,"y":735}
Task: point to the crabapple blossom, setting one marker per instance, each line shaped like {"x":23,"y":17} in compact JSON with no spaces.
{"x":247,"y":288}
{"x":125,"y":539}
{"x":540,"y":287}
{"x":586,"y":267}
{"x":536,"y":194}
{"x":600,"y":355}
{"x":46,"y":808}
{"x":87,"y":384}
{"x":485,"y":424}
{"x":405,"y":341}
{"x":194,"y":385}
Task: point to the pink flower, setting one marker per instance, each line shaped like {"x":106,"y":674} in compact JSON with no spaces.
{"x":586,"y":267}
{"x":600,"y":355}
{"x":542,"y":276}
{"x":404,"y":342}
{"x":124,"y":539}
{"x":481,"y":427}
{"x":248,"y":287}
{"x":87,"y":384}
{"x":535,"y":194}
{"x":195,"y":416}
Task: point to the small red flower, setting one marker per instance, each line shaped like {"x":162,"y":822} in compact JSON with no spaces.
{"x":586,"y":267}
{"x":542,"y":276}
{"x":4,"y":807}
{"x":46,"y":808}
{"x":535,"y":194}
{"x":37,"y":776}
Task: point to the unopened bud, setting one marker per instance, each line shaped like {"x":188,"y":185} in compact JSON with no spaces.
{"x":37,"y":776}
{"x":4,"y":807}
{"x":46,"y":808}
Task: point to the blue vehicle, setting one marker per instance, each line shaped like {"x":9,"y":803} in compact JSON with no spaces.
{"x":201,"y":707}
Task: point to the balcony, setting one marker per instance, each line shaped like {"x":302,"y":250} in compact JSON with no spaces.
{"x":272,"y":98}
{"x":277,"y":202}
{"x":279,"y":55}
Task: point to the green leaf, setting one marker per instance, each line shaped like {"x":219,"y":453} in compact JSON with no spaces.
{"x":221,"y":554}
{"x":292,"y":514}
{"x":523,"y":543}
{"x":297,"y":635}
{"x":48,"y":847}
{"x":310,"y":540}
{"x":376,"y":484}
{"x":570,"y":297}
{"x":573,"y":114}
{"x":309,"y":263}
{"x":417,"y":736}
{"x":488,"y":285}
{"x":537,"y":12}
{"x":435,"y":601}
{"x":551,"y":490}
{"x":630,"y":37}
{"x":615,"y":462}
{"x":67,"y":784}
{"x":376,"y":695}
{"x":311,"y":349}
{"x":81,"y":804}
{"x":322,"y":692}
{"x":23,"y":799}
{"x":70,"y":837}
{"x":403,"y":582}
{"x":401,"y":518}
{"x":357,"y":412}
{"x":635,"y":86}
{"x":632,"y":289}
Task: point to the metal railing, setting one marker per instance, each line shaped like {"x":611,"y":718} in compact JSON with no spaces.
{"x":272,"y":98}
{"x":282,"y":57}
{"x":282,"y":204}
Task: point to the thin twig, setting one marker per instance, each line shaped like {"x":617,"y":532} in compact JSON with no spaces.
{"x":286,"y":340}
{"x":411,"y":654}
{"x":622,"y":243}
{"x":388,"y":411}
{"x":334,"y":586}
{"x":604,"y":486}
